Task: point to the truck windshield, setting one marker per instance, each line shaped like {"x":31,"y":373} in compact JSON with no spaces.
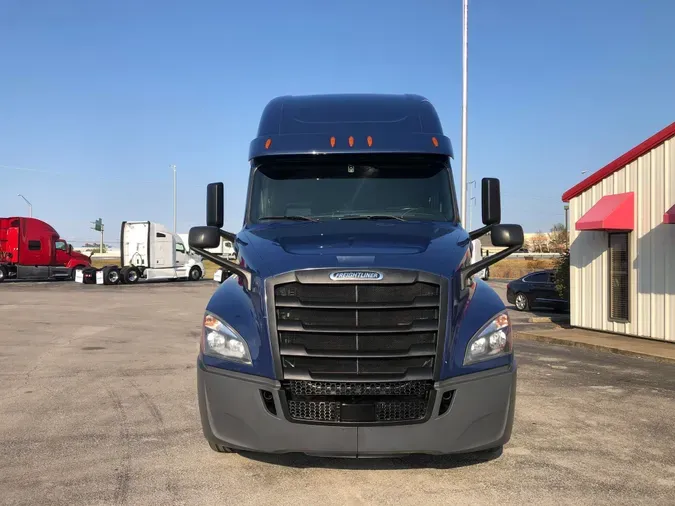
{"x":301,"y":191}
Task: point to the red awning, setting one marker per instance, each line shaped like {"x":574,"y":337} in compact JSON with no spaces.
{"x":669,"y":216}
{"x":611,"y":212}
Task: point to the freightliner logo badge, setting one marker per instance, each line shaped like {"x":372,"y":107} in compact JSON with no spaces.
{"x":356,"y":275}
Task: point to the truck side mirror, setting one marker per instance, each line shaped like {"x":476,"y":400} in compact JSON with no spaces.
{"x":507,"y":236}
{"x":214,"y":207}
{"x":510,"y":237}
{"x":204,"y":237}
{"x":492,"y":206}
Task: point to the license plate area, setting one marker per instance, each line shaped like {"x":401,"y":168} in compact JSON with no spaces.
{"x":358,"y":413}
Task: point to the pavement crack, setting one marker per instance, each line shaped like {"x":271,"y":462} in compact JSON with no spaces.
{"x":156,"y":415}
{"x":124,"y":470}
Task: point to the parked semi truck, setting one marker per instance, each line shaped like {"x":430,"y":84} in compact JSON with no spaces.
{"x":31,"y":249}
{"x":147,"y":251}
{"x":353,"y":324}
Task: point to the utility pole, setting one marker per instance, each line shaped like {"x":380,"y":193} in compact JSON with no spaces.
{"x":30,"y":206}
{"x":470,"y":199}
{"x":465,"y":69}
{"x":174,"y":197}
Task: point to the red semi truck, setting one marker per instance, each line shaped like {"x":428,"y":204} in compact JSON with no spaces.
{"x":32,"y":249}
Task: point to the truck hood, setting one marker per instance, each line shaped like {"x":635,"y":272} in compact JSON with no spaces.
{"x":76,"y":255}
{"x":278,"y":247}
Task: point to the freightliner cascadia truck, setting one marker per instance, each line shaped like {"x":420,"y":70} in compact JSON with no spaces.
{"x":352,"y":323}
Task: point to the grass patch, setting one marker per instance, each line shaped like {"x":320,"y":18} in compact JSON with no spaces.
{"x":514,"y":268}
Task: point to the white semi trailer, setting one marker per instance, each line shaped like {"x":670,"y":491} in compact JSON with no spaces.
{"x":148,"y":251}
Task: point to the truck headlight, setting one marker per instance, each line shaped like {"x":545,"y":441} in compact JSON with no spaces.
{"x":492,"y":341}
{"x":222,"y":341}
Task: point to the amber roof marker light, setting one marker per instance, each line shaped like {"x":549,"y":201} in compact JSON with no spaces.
{"x":268,"y":143}
{"x":332,"y":142}
{"x":351,"y":141}
{"x":369,"y":139}
{"x":434,"y":140}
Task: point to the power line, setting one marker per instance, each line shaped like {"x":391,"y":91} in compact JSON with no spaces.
{"x":75,"y":175}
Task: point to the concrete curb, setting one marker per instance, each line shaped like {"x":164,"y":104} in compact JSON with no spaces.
{"x":550,"y":319}
{"x":533,"y":336}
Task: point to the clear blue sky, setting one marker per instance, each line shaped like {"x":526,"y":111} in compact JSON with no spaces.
{"x":97,"y":99}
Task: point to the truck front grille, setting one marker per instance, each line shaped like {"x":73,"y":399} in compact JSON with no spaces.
{"x":361,"y":352}
{"x":319,"y":401}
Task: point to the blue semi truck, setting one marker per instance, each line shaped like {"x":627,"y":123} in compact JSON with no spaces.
{"x":352,"y":323}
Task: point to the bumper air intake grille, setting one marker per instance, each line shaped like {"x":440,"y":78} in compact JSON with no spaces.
{"x":393,"y":388}
{"x":361,"y":352}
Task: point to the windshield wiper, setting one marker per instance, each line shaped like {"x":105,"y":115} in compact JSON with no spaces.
{"x":290,"y":217}
{"x":373,"y":217}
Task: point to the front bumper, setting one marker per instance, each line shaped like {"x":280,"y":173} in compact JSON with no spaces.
{"x":234,"y":414}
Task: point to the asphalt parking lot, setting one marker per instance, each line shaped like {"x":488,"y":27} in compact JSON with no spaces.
{"x":98,"y":406}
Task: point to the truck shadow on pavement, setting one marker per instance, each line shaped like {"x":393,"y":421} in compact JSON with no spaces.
{"x":299,"y":460}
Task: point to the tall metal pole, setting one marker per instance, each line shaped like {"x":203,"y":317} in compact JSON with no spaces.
{"x":567,"y":224}
{"x":30,"y":206}
{"x":465,"y":69}
{"x":470,"y":199}
{"x":174,"y":198}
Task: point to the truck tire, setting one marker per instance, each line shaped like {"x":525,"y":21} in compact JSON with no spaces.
{"x":195,"y":273}
{"x":3,"y":273}
{"x":111,"y":275}
{"x":220,"y":448}
{"x":123,"y":274}
{"x":131,"y":275}
{"x":76,"y":269}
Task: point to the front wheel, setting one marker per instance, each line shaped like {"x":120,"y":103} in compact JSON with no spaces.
{"x":3,"y":273}
{"x":195,"y":273}
{"x":522,"y":302}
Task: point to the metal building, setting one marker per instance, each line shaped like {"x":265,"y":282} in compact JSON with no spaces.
{"x":622,"y":243}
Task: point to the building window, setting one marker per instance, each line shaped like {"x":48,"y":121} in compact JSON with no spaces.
{"x":34,"y":245}
{"x":619,"y":277}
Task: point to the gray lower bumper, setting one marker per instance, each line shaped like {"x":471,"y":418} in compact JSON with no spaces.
{"x":480,"y":417}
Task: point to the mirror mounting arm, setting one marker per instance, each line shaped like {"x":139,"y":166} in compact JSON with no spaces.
{"x":479,"y":232}
{"x":238,"y":269}
{"x":472,"y":269}
{"x":228,"y":235}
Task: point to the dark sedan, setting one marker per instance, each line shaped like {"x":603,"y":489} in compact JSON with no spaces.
{"x":536,"y":289}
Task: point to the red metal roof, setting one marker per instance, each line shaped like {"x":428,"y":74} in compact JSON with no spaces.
{"x":611,"y":212}
{"x":620,"y":162}
{"x":669,"y":216}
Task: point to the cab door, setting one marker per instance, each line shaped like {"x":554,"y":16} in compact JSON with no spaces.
{"x":181,"y":257}
{"x":61,"y":252}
